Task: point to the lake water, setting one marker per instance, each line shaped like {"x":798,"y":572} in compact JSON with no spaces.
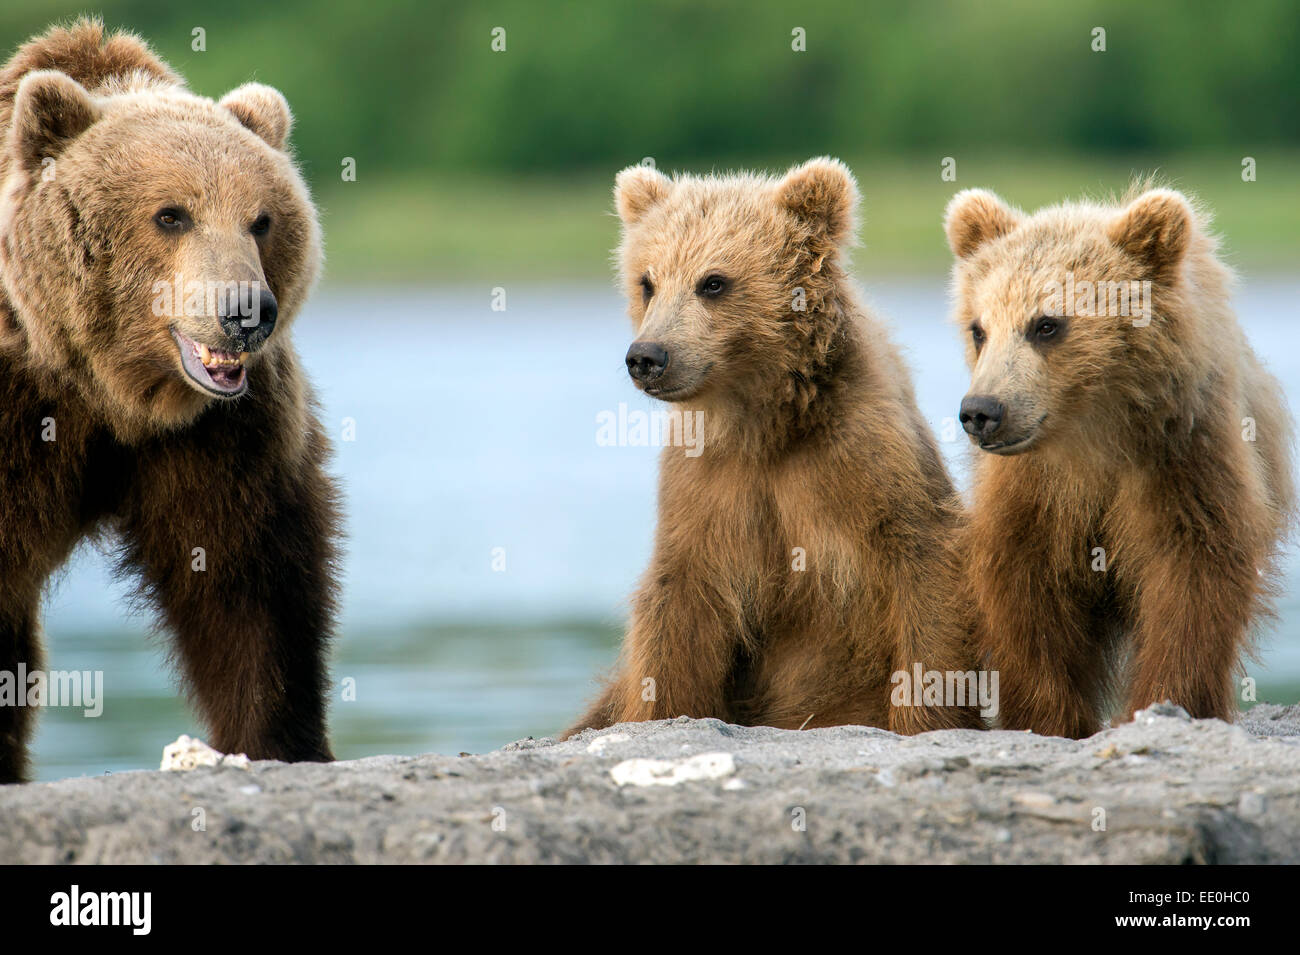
{"x":475,"y":430}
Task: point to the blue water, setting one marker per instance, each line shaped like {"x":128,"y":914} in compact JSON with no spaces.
{"x":476,"y":430}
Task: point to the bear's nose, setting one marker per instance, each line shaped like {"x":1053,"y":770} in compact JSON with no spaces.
{"x":251,"y":320}
{"x":981,"y":415}
{"x":646,"y":361}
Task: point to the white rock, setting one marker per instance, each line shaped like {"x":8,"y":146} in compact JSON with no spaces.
{"x":189,"y":753}
{"x":597,"y":745}
{"x":670,"y":772}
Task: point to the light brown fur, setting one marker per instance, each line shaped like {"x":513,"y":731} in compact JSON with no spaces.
{"x":1141,"y":451}
{"x":812,"y":440}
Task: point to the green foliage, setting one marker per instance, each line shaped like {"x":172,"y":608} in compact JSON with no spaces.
{"x":413,"y":85}
{"x":473,"y":162}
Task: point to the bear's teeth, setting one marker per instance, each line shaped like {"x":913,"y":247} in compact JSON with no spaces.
{"x":219,"y":359}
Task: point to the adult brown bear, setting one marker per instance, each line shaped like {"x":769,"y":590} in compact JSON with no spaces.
{"x":155,"y":247}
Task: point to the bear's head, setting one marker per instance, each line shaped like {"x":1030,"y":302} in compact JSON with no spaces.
{"x":155,"y":244}
{"x":1064,"y":312}
{"x":727,"y":278}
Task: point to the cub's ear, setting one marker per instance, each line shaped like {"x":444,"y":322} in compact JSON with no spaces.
{"x":637,"y":189}
{"x":822,"y":194}
{"x":261,"y":109}
{"x":1155,"y":229}
{"x":51,"y":109}
{"x":974,"y":217}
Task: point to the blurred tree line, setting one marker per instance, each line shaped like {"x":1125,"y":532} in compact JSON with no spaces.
{"x":411,"y":85}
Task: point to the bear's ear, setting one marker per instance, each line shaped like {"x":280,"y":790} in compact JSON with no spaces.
{"x":637,"y":189}
{"x":51,"y":109}
{"x":823,"y":194}
{"x":261,"y":109}
{"x":974,"y":217}
{"x":1155,"y":229}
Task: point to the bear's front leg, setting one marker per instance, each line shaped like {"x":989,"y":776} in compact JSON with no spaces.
{"x":677,"y":654}
{"x":238,"y":552}
{"x":1051,"y":671}
{"x":1193,"y":559}
{"x":19,"y":648}
{"x":1034,"y":625}
{"x":931,"y":626}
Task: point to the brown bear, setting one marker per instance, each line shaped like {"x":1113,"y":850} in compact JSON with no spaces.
{"x":155,"y":247}
{"x":805,"y":557}
{"x":1135,"y":481}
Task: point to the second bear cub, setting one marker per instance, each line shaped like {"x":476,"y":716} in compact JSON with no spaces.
{"x":805,"y":551}
{"x":1136,"y":483}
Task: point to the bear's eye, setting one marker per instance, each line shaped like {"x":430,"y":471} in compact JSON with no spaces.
{"x":261,"y":225}
{"x":977,"y":336}
{"x":1046,"y":329}
{"x":711,"y":286}
{"x":647,"y":288}
{"x":171,"y":218}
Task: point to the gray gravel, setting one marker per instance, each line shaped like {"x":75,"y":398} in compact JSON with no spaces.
{"x":1163,"y":789}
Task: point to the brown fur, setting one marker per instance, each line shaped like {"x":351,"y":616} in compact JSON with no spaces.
{"x":139,"y":450}
{"x":812,"y":439}
{"x":1140,"y":451}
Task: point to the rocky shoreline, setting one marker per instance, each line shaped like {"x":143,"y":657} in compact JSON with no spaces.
{"x":1163,"y":789}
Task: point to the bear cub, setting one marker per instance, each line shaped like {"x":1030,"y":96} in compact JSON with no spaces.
{"x":1134,"y":481}
{"x":806,"y":547}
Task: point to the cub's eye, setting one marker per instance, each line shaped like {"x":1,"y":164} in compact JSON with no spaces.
{"x":171,"y":218}
{"x":647,"y":288}
{"x":1046,"y":328}
{"x":712,"y":286}
{"x":977,"y":336}
{"x":261,"y":225}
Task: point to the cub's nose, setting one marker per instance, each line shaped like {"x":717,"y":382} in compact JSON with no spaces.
{"x":250,"y":320}
{"x":981,"y":416}
{"x":646,"y":361}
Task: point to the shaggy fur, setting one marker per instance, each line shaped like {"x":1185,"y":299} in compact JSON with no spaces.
{"x":138,"y":449}
{"x":1133,"y":439}
{"x":812,"y":439}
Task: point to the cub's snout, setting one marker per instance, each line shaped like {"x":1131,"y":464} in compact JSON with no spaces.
{"x":646,"y":361}
{"x":981,"y":416}
{"x":1000,"y":427}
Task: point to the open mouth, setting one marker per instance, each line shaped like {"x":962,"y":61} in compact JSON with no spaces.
{"x":217,"y":372}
